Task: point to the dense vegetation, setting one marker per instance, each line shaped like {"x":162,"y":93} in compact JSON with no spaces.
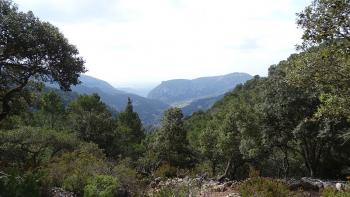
{"x":294,"y":122}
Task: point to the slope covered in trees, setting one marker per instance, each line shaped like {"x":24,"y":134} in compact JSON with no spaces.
{"x":292,"y":123}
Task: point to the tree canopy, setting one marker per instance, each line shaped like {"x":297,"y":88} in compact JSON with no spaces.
{"x":30,"y":51}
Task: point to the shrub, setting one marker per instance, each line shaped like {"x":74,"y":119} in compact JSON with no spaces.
{"x":29,"y":147}
{"x":168,"y":191}
{"x":332,"y":192}
{"x":14,"y":185}
{"x":127,"y":176}
{"x":101,"y":186}
{"x":72,"y":170}
{"x":263,"y":187}
{"x":165,"y":170}
{"x":202,"y":168}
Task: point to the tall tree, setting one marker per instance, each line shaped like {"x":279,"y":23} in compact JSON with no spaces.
{"x":172,"y":146}
{"x":131,"y":131}
{"x":326,"y":21}
{"x":131,"y":120}
{"x":326,"y":59}
{"x":90,"y":119}
{"x":32,"y":50}
{"x":51,"y":110}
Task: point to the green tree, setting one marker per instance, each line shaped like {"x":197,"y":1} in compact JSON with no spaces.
{"x":326,"y":21}
{"x":131,"y":131}
{"x":325,"y":62}
{"x":90,"y":119}
{"x":29,"y":148}
{"x":171,"y":145}
{"x":208,"y":146}
{"x":73,"y":170}
{"x":32,"y":50}
{"x":51,"y":111}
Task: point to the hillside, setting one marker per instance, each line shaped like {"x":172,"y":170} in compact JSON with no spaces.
{"x":180,"y":91}
{"x":149,"y":110}
{"x":200,"y":105}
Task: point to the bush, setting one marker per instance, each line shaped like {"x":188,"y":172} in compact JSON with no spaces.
{"x":202,"y":168}
{"x":101,"y":186}
{"x":14,"y":185}
{"x":128,"y":177}
{"x":30,"y":148}
{"x":332,"y":192}
{"x":166,"y":170}
{"x":73,"y":170}
{"x":181,"y":191}
{"x":263,"y":187}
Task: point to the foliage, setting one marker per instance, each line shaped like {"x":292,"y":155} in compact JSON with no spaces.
{"x":166,"y":170}
{"x":127,"y":176}
{"x":29,"y":147}
{"x":73,"y":170}
{"x":131,"y":132}
{"x":51,"y":111}
{"x":101,"y":186}
{"x":17,"y":185}
{"x":171,"y":145}
{"x":178,"y":191}
{"x":324,"y":21}
{"x":90,"y":118}
{"x":32,"y":49}
{"x":332,"y":192}
{"x":258,"y":186}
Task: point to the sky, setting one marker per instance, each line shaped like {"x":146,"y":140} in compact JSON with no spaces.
{"x":137,"y":43}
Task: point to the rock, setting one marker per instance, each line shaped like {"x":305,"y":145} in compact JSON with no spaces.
{"x":59,"y":192}
{"x":219,"y":188}
{"x":293,"y":184}
{"x":340,"y":186}
{"x":233,"y":195}
{"x":311,"y":184}
{"x":157,"y":180}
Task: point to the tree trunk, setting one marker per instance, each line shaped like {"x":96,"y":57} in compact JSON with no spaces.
{"x":228,"y":166}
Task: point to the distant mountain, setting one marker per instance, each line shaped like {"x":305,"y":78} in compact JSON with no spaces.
{"x":180,"y":92}
{"x":200,"y":105}
{"x":93,"y":82}
{"x":149,"y":110}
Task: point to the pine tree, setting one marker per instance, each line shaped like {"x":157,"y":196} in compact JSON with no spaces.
{"x":172,"y":146}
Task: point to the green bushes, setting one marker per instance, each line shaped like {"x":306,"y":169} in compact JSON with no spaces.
{"x":166,"y":170}
{"x":73,"y":170}
{"x":101,"y":186}
{"x":263,"y":187}
{"x":16,"y":185}
{"x":127,"y":175}
{"x":332,"y":192}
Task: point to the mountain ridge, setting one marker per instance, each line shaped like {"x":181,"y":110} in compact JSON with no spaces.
{"x":178,"y":91}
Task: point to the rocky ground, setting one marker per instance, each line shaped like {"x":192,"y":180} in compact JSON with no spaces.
{"x":198,"y":186}
{"x":306,"y":187}
{"x":201,"y":187}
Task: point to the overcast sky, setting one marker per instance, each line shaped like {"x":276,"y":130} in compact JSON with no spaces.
{"x":140,"y":42}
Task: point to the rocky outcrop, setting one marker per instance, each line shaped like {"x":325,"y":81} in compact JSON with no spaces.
{"x":59,"y":192}
{"x":313,"y":184}
{"x":198,"y":186}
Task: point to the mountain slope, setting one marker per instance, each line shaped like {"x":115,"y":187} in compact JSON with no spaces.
{"x":179,"y":91}
{"x":200,"y":105}
{"x":149,"y":110}
{"x":93,"y":82}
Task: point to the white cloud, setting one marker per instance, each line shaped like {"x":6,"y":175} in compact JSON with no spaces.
{"x":138,"y":41}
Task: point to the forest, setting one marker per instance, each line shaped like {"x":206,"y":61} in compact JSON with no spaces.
{"x":293,"y":123}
